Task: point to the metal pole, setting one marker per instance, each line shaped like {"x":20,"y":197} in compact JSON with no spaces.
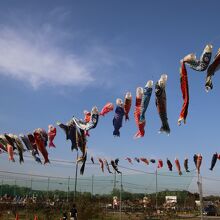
{"x":68,"y":189}
{"x":48,"y":185}
{"x":92,"y":184}
{"x":201,"y":197}
{"x":31,"y":186}
{"x":114,"y":181}
{"x":156,"y":190}
{"x":121,"y":197}
{"x":15,"y":188}
{"x":199,"y":182}
{"x":76,"y":172}
{"x":2,"y":189}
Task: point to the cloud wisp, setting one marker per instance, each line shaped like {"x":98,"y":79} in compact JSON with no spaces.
{"x":34,"y":58}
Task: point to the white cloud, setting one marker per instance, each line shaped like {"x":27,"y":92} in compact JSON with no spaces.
{"x":34,"y":57}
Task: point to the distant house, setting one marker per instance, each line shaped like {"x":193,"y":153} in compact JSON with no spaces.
{"x":197,"y":203}
{"x":170,"y":202}
{"x":171,"y":199}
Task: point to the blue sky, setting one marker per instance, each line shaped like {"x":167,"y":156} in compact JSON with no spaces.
{"x":61,"y":57}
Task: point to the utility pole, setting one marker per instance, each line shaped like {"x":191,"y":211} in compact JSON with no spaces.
{"x":114,"y":181}
{"x":68,"y":189}
{"x":199,"y":182}
{"x":92,"y":184}
{"x":31,"y":186}
{"x":48,"y":186}
{"x":15,"y":188}
{"x":156,"y":190}
{"x":76,"y":173}
{"x":121,"y":196}
{"x":2,"y":188}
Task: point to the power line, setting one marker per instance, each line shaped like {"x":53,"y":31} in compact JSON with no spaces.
{"x":68,"y":162}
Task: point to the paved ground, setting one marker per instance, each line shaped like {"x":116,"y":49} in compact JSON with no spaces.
{"x":204,"y":218}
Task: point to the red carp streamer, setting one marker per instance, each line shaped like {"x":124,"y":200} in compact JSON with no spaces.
{"x":137,"y":113}
{"x":127,"y":105}
{"x":160,"y":164}
{"x":185,"y":93}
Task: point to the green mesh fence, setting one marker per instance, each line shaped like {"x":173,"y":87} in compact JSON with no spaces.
{"x":94,"y":184}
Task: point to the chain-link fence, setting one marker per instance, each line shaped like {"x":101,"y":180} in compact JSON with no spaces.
{"x":133,"y":183}
{"x":132,"y":179}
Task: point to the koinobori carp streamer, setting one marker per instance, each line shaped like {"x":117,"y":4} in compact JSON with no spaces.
{"x":169,"y":164}
{"x":127,"y":105}
{"x":137,"y":113}
{"x":214,"y":160}
{"x":201,"y":64}
{"x":52,"y":131}
{"x":178,"y":167}
{"x":106,"y":109}
{"x":118,"y":117}
{"x":147,"y":91}
{"x":88,"y":125}
{"x":186,"y":165}
{"x":71,"y":132}
{"x":185,"y":93}
{"x":213,"y":67}
{"x":161,"y":103}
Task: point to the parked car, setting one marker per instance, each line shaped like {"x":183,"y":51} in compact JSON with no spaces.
{"x":210,"y":210}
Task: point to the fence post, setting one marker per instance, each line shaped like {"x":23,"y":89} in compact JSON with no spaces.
{"x":2,"y":188}
{"x":15,"y":188}
{"x":76,"y":172}
{"x":156,"y":190}
{"x":121,"y":197}
{"x":68,"y":189}
{"x":199,"y":182}
{"x":31,"y":186}
{"x":48,"y":186}
{"x":92,"y":185}
{"x":114,"y":187}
